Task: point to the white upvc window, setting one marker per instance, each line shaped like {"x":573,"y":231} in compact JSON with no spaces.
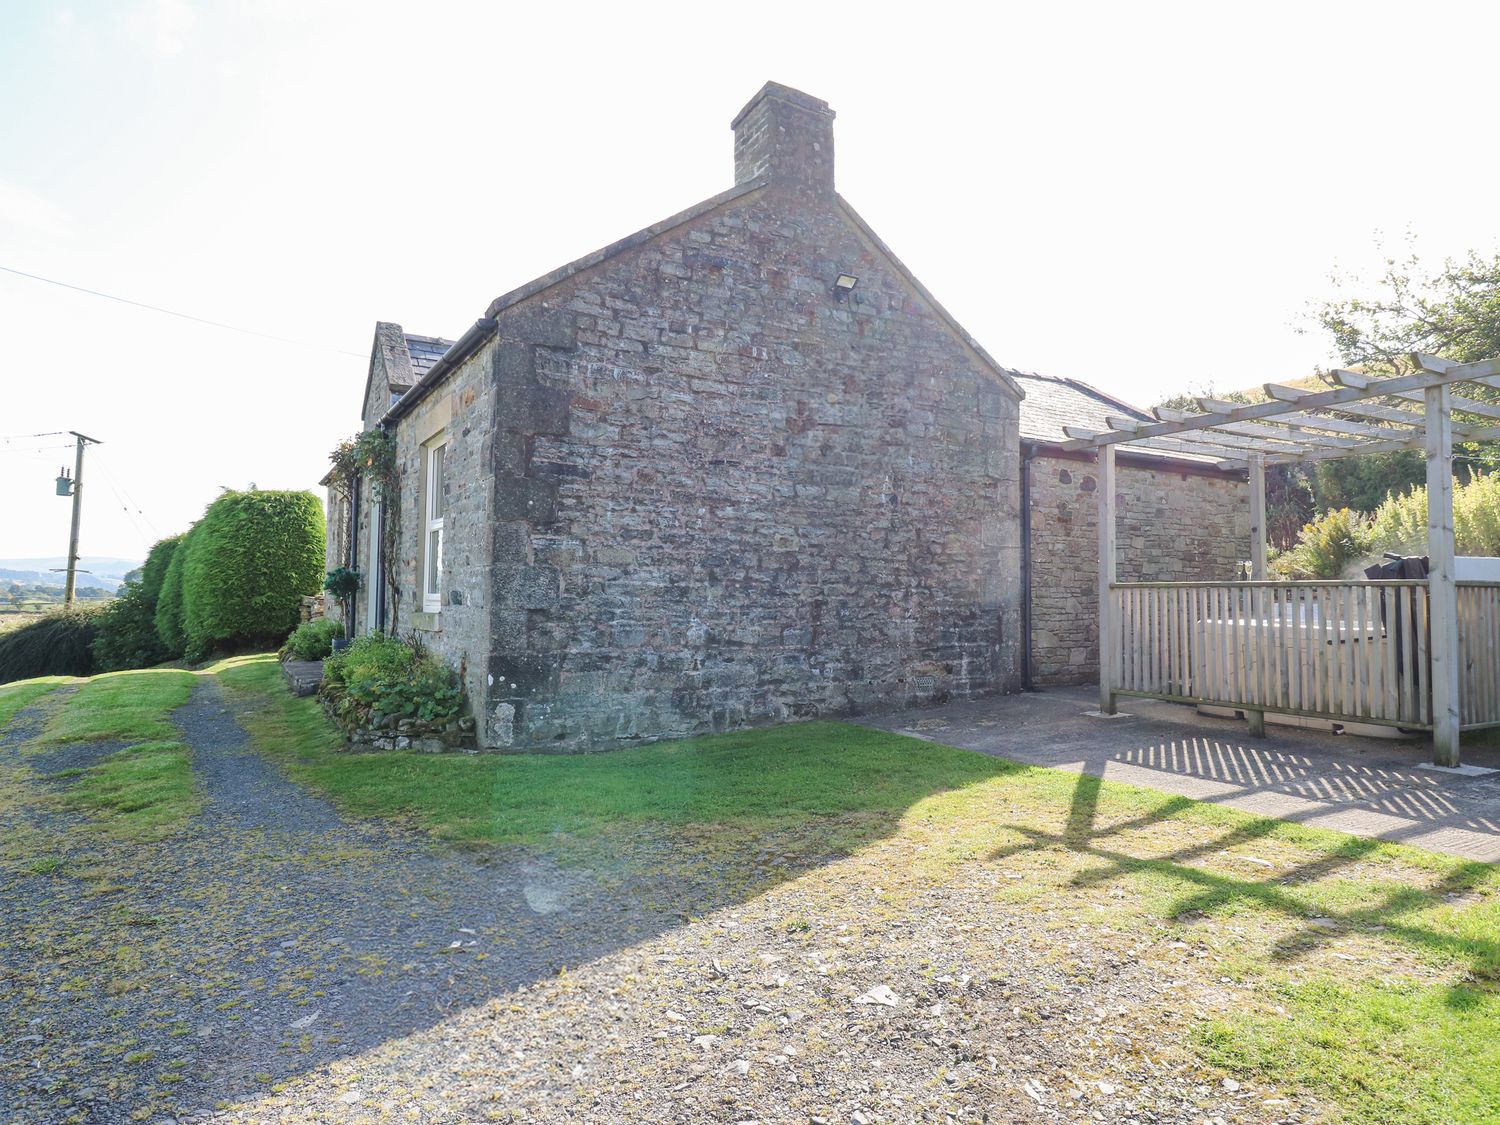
{"x":432,"y":543}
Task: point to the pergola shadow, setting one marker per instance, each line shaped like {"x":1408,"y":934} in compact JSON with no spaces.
{"x":1396,"y":913}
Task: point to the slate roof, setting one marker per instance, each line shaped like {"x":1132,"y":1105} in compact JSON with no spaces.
{"x":1052,"y":403}
{"x":425,"y":351}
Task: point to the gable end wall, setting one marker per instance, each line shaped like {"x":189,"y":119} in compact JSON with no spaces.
{"x":718,"y":497}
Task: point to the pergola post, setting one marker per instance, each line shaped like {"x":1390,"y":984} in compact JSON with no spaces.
{"x":1257,"y":479}
{"x":1442,"y":594}
{"x":1109,"y":624}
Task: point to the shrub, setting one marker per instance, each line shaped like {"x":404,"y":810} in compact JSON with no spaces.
{"x":386,"y":676}
{"x":127,"y":635}
{"x":56,"y":644}
{"x":168,"y":615}
{"x":249,"y":563}
{"x":372,"y":654}
{"x":313,"y":640}
{"x":1329,"y":547}
{"x":154,"y":570}
{"x":1400,"y":524}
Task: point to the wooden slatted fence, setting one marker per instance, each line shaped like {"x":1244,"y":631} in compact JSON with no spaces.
{"x":1335,"y":650}
{"x":1479,"y":654}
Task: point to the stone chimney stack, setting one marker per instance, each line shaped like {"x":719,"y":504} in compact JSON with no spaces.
{"x":787,"y":135}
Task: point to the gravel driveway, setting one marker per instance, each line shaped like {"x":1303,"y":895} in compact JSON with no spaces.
{"x":277,"y":962}
{"x":147,"y":981}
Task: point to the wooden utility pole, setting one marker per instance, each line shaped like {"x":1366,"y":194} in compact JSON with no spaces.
{"x":83,"y":440}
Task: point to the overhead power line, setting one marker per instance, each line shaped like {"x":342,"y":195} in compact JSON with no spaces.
{"x":180,"y":315}
{"x":34,"y":449}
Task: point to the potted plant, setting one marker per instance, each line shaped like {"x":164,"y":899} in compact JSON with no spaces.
{"x":343,"y":583}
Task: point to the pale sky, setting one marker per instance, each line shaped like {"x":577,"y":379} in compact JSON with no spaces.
{"x":1144,"y":196}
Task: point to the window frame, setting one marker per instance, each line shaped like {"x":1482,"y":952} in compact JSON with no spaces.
{"x":435,"y":454}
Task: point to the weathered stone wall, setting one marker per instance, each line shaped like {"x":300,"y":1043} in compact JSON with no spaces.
{"x":1172,"y":526}
{"x":336,"y":543}
{"x":690,"y":488}
{"x":722,"y":497}
{"x":461,"y":411}
{"x":739,"y":500}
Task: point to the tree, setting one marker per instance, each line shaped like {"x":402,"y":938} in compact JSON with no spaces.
{"x":1453,"y":312}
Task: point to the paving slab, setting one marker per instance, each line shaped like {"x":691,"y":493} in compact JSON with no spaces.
{"x":1373,"y":787}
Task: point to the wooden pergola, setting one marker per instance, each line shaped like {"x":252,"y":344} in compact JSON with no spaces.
{"x":1418,"y":654}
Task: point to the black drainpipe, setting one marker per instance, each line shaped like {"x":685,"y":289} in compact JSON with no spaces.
{"x":353,"y":555}
{"x":377,"y":570}
{"x":376,"y":561}
{"x":1027,"y":452}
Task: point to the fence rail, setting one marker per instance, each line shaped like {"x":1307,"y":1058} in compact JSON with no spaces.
{"x":1479,"y":654}
{"x":1337,"y":650}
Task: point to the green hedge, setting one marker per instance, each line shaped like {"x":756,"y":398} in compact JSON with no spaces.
{"x":246,"y":566}
{"x":168,"y":613}
{"x":127,"y":634}
{"x":58,"y":644}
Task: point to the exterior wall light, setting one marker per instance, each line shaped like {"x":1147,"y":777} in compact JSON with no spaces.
{"x":844,"y":286}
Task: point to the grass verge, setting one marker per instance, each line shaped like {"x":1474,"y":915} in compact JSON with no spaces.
{"x":16,"y":697}
{"x":143,"y":793}
{"x":767,"y":777}
{"x":128,"y":706}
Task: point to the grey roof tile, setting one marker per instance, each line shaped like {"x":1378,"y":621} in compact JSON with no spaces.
{"x":425,"y":351}
{"x":1051,"y":403}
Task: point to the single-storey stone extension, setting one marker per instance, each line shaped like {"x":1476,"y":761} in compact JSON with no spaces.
{"x":738,"y":468}
{"x":1177,"y":519}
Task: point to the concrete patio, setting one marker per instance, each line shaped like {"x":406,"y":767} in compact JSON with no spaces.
{"x":1365,"y":786}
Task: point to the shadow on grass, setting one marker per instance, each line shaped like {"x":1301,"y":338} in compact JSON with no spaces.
{"x":1397,"y":914}
{"x":270,"y":908}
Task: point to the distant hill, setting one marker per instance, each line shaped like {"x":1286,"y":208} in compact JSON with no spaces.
{"x":108,"y":573}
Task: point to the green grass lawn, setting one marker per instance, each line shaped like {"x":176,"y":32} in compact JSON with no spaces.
{"x":16,"y":697}
{"x":124,"y":706}
{"x":1366,"y":974}
{"x":143,"y":792}
{"x":764,"y":776}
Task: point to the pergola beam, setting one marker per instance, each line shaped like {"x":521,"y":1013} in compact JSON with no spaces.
{"x":1235,"y":433}
{"x":1226,"y":457}
{"x":1466,"y":405}
{"x":1435,"y":373}
{"x":1484,"y":433}
{"x":1278,"y":432}
{"x":1302,"y":420}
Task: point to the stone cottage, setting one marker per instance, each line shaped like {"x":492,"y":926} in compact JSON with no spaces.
{"x":740,"y":467}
